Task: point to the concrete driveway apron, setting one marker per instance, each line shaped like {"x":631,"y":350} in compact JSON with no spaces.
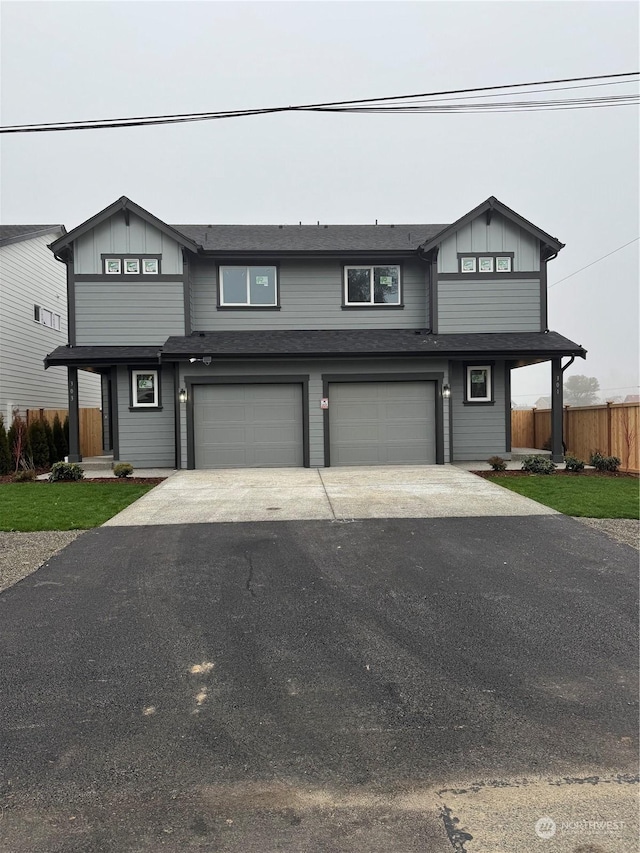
{"x":299,"y":494}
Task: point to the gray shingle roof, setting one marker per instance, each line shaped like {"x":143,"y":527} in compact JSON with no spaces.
{"x":309,"y":238}
{"x":16,"y":233}
{"x":101,"y":355}
{"x":365,"y":342}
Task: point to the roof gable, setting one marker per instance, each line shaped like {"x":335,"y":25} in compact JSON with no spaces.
{"x":552,"y":244}
{"x":127,"y":206}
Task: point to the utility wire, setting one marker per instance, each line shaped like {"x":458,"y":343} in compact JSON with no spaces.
{"x":618,"y":388}
{"x":597,"y":261}
{"x":383,"y":104}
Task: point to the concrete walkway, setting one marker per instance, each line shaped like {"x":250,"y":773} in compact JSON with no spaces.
{"x":292,"y":494}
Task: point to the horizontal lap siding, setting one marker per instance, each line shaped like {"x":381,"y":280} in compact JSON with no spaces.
{"x":314,"y":370}
{"x":310,"y":298}
{"x":510,"y":305}
{"x":146,"y":437}
{"x":30,"y":275}
{"x":479,"y":431}
{"x":121,"y":313}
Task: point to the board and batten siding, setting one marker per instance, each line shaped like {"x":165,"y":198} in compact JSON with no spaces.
{"x":115,"y":236}
{"x":123,"y":313}
{"x":146,"y":437}
{"x":501,"y":235}
{"x":314,"y":369}
{"x":30,"y":275}
{"x":500,"y":305}
{"x":311,"y":296}
{"x":479,"y":431}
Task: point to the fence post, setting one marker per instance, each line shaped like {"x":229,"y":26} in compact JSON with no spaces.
{"x":535,"y":444}
{"x":608,"y":427}
{"x":565,"y":427}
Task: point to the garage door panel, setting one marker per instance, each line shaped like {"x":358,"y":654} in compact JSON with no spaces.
{"x":245,"y":426}
{"x":382,"y":423}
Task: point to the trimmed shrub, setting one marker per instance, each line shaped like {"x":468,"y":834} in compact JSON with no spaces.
{"x":59,"y":440}
{"x":5,"y":454}
{"x":65,"y":430}
{"x":538,"y":465}
{"x":39,"y":446}
{"x":604,"y":463}
{"x":497,"y":463}
{"x":65,"y":471}
{"x":123,"y":469}
{"x":572,"y":463}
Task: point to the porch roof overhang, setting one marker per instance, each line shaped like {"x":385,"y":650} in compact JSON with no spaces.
{"x":519,"y":347}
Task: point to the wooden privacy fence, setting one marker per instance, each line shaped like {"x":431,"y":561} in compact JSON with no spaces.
{"x":90,"y":426}
{"x":613,"y":429}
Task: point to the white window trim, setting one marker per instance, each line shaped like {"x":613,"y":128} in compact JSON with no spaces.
{"x":157,"y":263}
{"x":468,"y":258}
{"x":488,"y":398}
{"x":482,"y":261}
{"x":506,"y":258}
{"x":47,"y":318}
{"x":134,"y":384}
{"x":248,"y":269}
{"x":107,"y":271}
{"x":131,"y":261}
{"x":371,"y":268}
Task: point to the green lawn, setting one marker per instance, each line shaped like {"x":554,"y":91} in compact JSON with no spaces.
{"x":63,"y":506}
{"x":590,"y":496}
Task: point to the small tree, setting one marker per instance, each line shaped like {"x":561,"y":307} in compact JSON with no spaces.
{"x":59,"y":440}
{"x":38,"y":442}
{"x":65,"y":429}
{"x":5,"y":454}
{"x":18,"y":440}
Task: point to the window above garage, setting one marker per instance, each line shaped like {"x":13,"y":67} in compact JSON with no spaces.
{"x":248,"y":287}
{"x":366,"y":286}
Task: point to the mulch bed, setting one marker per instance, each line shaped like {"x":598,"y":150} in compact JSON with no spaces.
{"x":560,"y":472}
{"x":146,"y":481}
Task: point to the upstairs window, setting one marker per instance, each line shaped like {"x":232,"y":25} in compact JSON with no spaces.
{"x":46,"y":318}
{"x":130,"y":265}
{"x":486,"y":263}
{"x":371,"y":285}
{"x":242,"y":287}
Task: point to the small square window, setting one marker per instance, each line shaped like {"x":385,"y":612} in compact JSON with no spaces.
{"x":36,"y":313}
{"x":468,"y":264}
{"x":113,"y":266}
{"x":144,"y":388}
{"x":132,"y":266}
{"x":150,"y":266}
{"x":485,"y":264}
{"x":479,"y":384}
{"x":503,"y":264}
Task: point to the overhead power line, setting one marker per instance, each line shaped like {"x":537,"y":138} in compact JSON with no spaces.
{"x":413,"y":104}
{"x":597,"y":261}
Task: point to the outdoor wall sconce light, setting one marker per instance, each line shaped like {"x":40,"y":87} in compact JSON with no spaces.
{"x":446,"y":391}
{"x":182,"y":395}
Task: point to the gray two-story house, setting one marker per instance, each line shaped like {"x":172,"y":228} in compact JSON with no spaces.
{"x":223,"y":346}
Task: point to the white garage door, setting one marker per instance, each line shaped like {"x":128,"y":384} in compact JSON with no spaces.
{"x":382,"y":423}
{"x":248,"y":426}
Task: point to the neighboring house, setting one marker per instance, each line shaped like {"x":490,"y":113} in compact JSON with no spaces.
{"x":632,"y":398}
{"x":542,"y":403}
{"x":33,"y":321}
{"x":271,"y":345}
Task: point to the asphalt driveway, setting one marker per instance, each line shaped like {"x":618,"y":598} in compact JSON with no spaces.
{"x":392,"y":685}
{"x":279,"y":494}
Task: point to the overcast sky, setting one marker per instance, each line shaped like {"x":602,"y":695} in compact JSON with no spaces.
{"x":574,"y":173}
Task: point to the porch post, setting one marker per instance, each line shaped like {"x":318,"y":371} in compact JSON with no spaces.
{"x":557,"y":453}
{"x":74,"y":418}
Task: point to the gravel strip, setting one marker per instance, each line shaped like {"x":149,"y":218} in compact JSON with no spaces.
{"x":23,"y":553}
{"x":625,"y":530}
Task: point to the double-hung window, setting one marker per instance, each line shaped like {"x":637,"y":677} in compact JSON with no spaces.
{"x":242,"y":287}
{"x":371,"y":285}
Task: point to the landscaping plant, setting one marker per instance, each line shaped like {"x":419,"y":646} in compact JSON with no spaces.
{"x":5,"y":454}
{"x":497,"y":463}
{"x":18,"y":441}
{"x":538,"y":465}
{"x":572,"y":463}
{"x":59,"y":440}
{"x":123,"y":470}
{"x":39,"y":445}
{"x":604,"y":463}
{"x":65,"y":471}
